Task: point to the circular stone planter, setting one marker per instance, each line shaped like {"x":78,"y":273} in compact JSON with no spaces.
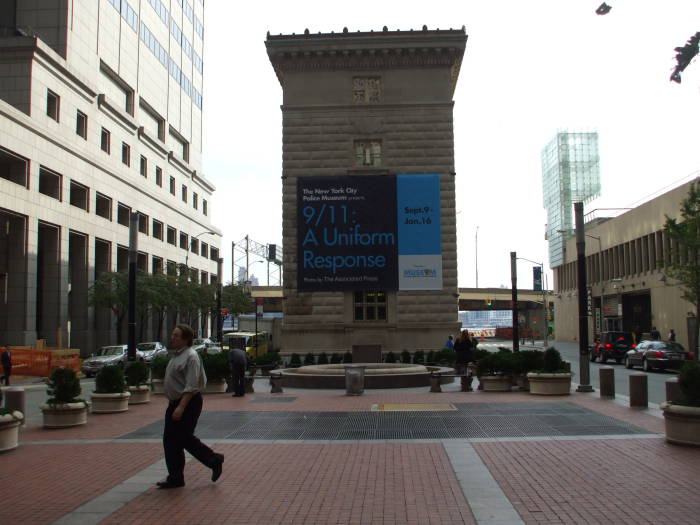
{"x":550,"y":384}
{"x":377,"y":375}
{"x":110,"y":403}
{"x":139,"y":395}
{"x":157,"y":386}
{"x":682,"y":424}
{"x":497,"y":383}
{"x":9,"y":430}
{"x":64,"y":415}
{"x":215,"y":387}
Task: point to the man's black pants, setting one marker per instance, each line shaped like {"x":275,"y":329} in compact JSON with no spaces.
{"x":178,"y":436}
{"x":238,"y":375}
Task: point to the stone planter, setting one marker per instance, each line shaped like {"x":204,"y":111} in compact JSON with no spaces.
{"x":558,"y":384}
{"x":65,"y":414}
{"x":109,"y":403}
{"x":496,"y":383}
{"x":9,"y":430}
{"x":522,"y":382}
{"x":682,"y":424}
{"x":157,"y":386}
{"x":139,"y":395}
{"x":217,"y":386}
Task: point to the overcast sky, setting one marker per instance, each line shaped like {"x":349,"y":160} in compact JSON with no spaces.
{"x":529,"y":69}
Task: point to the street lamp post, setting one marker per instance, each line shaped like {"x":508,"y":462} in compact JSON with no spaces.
{"x":545,"y":337}
{"x":187,"y":257}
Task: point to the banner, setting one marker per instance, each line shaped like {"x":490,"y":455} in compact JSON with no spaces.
{"x":537,"y":278}
{"x":368,"y":232}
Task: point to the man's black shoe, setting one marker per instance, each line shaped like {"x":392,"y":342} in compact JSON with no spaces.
{"x":217,"y":468}
{"x":169,"y":484}
{"x":238,"y":395}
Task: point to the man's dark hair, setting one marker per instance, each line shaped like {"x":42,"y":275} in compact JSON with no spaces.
{"x":187,"y":333}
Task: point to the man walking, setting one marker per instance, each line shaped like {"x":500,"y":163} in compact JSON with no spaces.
{"x":6,"y":365}
{"x":238,"y":362}
{"x":184,"y":381}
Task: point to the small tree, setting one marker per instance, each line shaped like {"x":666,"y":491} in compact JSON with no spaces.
{"x":309,"y":359}
{"x":683,"y":261}
{"x":405,"y":356}
{"x":390,"y":357}
{"x":111,"y":290}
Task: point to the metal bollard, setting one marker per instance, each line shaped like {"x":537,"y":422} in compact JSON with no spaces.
{"x":354,"y":380}
{"x":673,"y":390}
{"x":276,"y":382}
{"x":435,"y":382}
{"x":249,"y":380}
{"x":607,"y":381}
{"x":15,"y":399}
{"x":639,"y":396}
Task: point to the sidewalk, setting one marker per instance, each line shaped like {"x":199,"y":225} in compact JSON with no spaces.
{"x":320,"y":457}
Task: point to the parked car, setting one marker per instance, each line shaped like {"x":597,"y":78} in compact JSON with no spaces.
{"x":208,"y":348}
{"x":107,"y":355}
{"x":612,"y":345}
{"x":656,"y":355}
{"x":202,"y":341}
{"x":152,"y":350}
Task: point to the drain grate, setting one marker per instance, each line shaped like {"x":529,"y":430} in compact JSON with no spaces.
{"x":466,"y":420}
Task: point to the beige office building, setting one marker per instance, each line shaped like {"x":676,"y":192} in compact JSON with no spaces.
{"x":367,"y":112}
{"x":100,"y":115}
{"x":625,"y":258}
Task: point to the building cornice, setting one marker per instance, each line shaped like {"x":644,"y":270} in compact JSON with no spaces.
{"x":152,"y":143}
{"x":122,"y":118}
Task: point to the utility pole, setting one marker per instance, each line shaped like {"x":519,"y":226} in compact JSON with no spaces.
{"x":476,"y":254}
{"x":219,"y":299}
{"x":133,"y":254}
{"x":233,"y":262}
{"x":514,"y":300}
{"x":583,"y":358}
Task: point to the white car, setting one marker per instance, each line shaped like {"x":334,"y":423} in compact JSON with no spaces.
{"x":108,"y":355}
{"x":151,"y":350}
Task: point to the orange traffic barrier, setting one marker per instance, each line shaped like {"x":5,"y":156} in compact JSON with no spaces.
{"x":31,"y":362}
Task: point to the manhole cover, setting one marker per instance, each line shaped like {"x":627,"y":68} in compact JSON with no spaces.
{"x":413,"y":407}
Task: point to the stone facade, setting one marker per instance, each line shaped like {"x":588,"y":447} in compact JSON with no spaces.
{"x":96,"y":116}
{"x":391,"y":90}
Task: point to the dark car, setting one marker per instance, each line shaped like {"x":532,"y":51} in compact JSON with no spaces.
{"x":612,"y":345}
{"x":656,"y":355}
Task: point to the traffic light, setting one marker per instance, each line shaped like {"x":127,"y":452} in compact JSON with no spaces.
{"x":488,"y":302}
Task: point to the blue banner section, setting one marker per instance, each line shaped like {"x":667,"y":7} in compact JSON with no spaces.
{"x":418,"y":209}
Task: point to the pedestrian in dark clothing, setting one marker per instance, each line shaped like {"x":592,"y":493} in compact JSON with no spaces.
{"x":238,"y":362}
{"x":463,"y":349}
{"x":6,"y":365}
{"x":672,"y":335}
{"x":655,"y":334}
{"x":183,"y":384}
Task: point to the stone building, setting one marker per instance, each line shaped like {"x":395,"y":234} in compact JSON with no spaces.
{"x":367,"y":133}
{"x":100,"y":114}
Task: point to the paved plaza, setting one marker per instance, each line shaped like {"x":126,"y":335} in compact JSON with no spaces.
{"x":387,"y":457}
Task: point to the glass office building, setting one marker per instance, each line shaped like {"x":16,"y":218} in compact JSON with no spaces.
{"x":570,"y":173}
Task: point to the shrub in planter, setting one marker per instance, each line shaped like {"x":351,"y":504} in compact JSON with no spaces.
{"x":322,"y":358}
{"x":552,"y":362}
{"x":347,"y":357}
{"x":110,"y":393}
{"x":689,"y":383}
{"x":419,"y":357}
{"x":430,"y":359}
{"x":405,"y":357}
{"x":270,"y":358}
{"x":63,"y":408}
{"x":336,"y":359}
{"x":552,"y":378}
{"x":10,"y":420}
{"x":216,"y":366}
{"x":446,"y":356}
{"x":158,"y":366}
{"x":309,"y":359}
{"x":682,"y":419}
{"x":390,"y":357}
{"x":136,"y":373}
{"x":295,"y":361}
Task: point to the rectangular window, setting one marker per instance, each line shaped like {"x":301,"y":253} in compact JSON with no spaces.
{"x":143,"y":223}
{"x":157,"y":229}
{"x":204,"y":252}
{"x":204,"y":278}
{"x":81,"y":124}
{"x":79,"y":195}
{"x":214,"y":254}
{"x":184,"y":193}
{"x":195,"y":201}
{"x":171,"y":234}
{"x":159,"y":176}
{"x":171,"y":268}
{"x":50,"y":183}
{"x":103,"y":206}
{"x":366,"y":90}
{"x":156,"y":265}
{"x":368,"y":153}
{"x":14,"y":168}
{"x":143,"y":166}
{"x":204,"y":207}
{"x":105,"y":140}
{"x":53,"y":105}
{"x":183,"y":241}
{"x":126,"y":154}
{"x":123,"y":212}
{"x":172,"y":185}
{"x":369,"y":306}
{"x":194,"y":246}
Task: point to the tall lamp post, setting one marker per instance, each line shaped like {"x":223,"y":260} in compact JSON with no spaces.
{"x":187,"y":257}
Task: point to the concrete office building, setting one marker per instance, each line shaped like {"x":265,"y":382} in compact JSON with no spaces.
{"x":625,"y":258}
{"x":367,"y":118}
{"x":100,"y":114}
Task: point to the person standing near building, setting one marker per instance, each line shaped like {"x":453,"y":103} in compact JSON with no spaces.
{"x":462,"y":348}
{"x":655,"y":334}
{"x":238,"y":362}
{"x":672,"y":335}
{"x":450,"y":343}
{"x":183,"y":384}
{"x":6,"y":365}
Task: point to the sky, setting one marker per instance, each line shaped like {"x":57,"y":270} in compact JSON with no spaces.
{"x":529,"y":69}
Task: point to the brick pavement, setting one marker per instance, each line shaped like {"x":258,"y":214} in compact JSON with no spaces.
{"x":546,"y":480}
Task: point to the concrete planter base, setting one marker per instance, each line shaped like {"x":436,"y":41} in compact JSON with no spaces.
{"x":110,"y":403}
{"x":139,"y":395}
{"x":682,"y":424}
{"x":215,"y":387}
{"x":157,"y":386}
{"x":497,"y":383}
{"x":64,"y":415}
{"x":9,"y":430}
{"x":550,"y":384}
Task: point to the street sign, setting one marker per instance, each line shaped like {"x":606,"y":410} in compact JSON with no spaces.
{"x":224,"y":312}
{"x":589,"y":303}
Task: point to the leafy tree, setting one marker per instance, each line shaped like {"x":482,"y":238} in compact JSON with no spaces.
{"x":683,"y":263}
{"x":111,"y":290}
{"x":235,"y":299}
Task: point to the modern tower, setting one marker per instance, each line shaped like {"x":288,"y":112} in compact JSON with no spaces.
{"x":570,"y":173}
{"x":100,"y":115}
